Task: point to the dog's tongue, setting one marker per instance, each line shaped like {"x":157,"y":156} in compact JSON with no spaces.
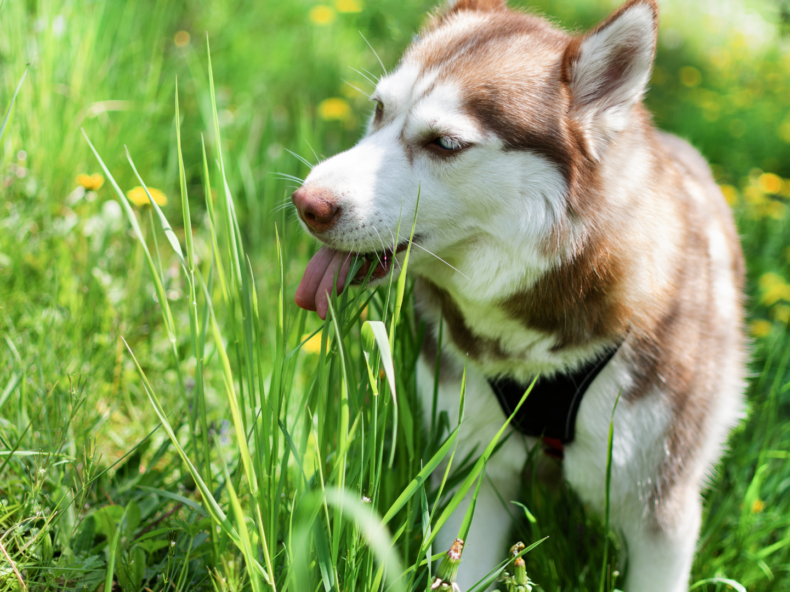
{"x":313,"y":290}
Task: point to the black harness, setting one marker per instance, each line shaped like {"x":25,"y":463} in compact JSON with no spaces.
{"x":550,"y":409}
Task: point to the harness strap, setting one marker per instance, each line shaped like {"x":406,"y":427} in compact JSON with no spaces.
{"x":550,"y":409}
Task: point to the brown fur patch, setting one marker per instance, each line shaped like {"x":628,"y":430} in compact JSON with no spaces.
{"x":576,"y":301}
{"x":455,"y":327}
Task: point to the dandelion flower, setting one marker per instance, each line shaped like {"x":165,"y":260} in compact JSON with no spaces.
{"x":730,"y":194}
{"x":313,"y":345}
{"x":770,"y":183}
{"x":774,"y":288}
{"x":758,"y":506}
{"x":139,"y":198}
{"x":761,"y":328}
{"x":322,"y":15}
{"x":690,"y":76}
{"x":90,"y":182}
{"x":348,"y":6}
{"x":334,"y":108}
{"x":181,"y":39}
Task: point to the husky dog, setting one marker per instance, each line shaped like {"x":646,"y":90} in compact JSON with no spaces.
{"x":559,"y":234}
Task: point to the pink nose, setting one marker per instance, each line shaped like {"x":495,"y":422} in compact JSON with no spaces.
{"x":316,"y":207}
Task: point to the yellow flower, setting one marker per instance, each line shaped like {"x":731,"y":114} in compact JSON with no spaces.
{"x":690,"y":76}
{"x":138,"y":197}
{"x":758,"y":506}
{"x":181,"y":39}
{"x":781,"y":312}
{"x":754,"y":194}
{"x":730,"y":194}
{"x":348,"y":6}
{"x":761,"y":328}
{"x":775,"y":294}
{"x":334,"y":108}
{"x":769,"y":280}
{"x":774,"y":289}
{"x":313,"y":345}
{"x":90,"y":182}
{"x":322,"y":15}
{"x":771,"y":183}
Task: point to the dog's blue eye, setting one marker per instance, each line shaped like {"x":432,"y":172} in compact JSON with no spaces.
{"x":448,"y":143}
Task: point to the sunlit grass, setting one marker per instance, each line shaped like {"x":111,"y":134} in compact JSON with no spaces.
{"x":223,"y":405}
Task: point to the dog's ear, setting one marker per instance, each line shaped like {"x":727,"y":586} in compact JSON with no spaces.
{"x":607,"y":70}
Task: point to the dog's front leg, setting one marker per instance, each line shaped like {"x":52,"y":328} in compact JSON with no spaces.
{"x":661,"y":547}
{"x":659,"y":517}
{"x":489,"y":537}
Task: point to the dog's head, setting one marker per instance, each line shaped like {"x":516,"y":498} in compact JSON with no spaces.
{"x":493,"y":118}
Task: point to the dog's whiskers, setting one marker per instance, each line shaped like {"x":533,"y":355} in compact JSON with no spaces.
{"x":369,"y":73}
{"x":287,"y":177}
{"x":317,"y":160}
{"x":302,"y":159}
{"x":356,"y":88}
{"x":383,"y":69}
{"x":419,"y":246}
{"x":367,"y":79}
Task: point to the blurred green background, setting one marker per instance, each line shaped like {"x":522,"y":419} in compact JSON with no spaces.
{"x":293,"y":77}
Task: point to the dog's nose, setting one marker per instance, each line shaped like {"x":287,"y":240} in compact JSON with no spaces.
{"x":316,"y":207}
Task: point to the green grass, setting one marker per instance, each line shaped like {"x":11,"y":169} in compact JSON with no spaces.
{"x":165,"y":422}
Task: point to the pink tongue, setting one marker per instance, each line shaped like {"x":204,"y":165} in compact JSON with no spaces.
{"x":313,"y":290}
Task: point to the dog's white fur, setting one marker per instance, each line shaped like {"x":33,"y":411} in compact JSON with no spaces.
{"x":500,"y":220}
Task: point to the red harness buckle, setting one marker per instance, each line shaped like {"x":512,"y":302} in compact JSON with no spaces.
{"x":554,"y":448}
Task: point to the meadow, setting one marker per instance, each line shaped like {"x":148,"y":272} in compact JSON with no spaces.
{"x":169,"y":420}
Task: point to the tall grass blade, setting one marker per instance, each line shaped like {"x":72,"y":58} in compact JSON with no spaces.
{"x":182,"y":181}
{"x":113,"y":550}
{"x":160,"y":291}
{"x":478,"y":468}
{"x":11,"y":105}
{"x":415,"y":484}
{"x":166,"y":228}
{"x":211,"y":504}
{"x":608,"y":489}
{"x":375,"y":332}
{"x":374,"y":532}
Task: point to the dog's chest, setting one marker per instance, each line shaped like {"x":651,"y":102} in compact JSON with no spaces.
{"x":496,"y":344}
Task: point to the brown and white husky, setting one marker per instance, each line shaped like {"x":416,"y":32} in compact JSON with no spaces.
{"x":556,"y":225}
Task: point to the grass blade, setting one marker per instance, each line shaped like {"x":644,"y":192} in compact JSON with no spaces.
{"x":608,"y":488}
{"x":211,"y":504}
{"x":11,"y":106}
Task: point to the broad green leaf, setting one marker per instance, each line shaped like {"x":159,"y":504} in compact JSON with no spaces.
{"x":376,"y":332}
